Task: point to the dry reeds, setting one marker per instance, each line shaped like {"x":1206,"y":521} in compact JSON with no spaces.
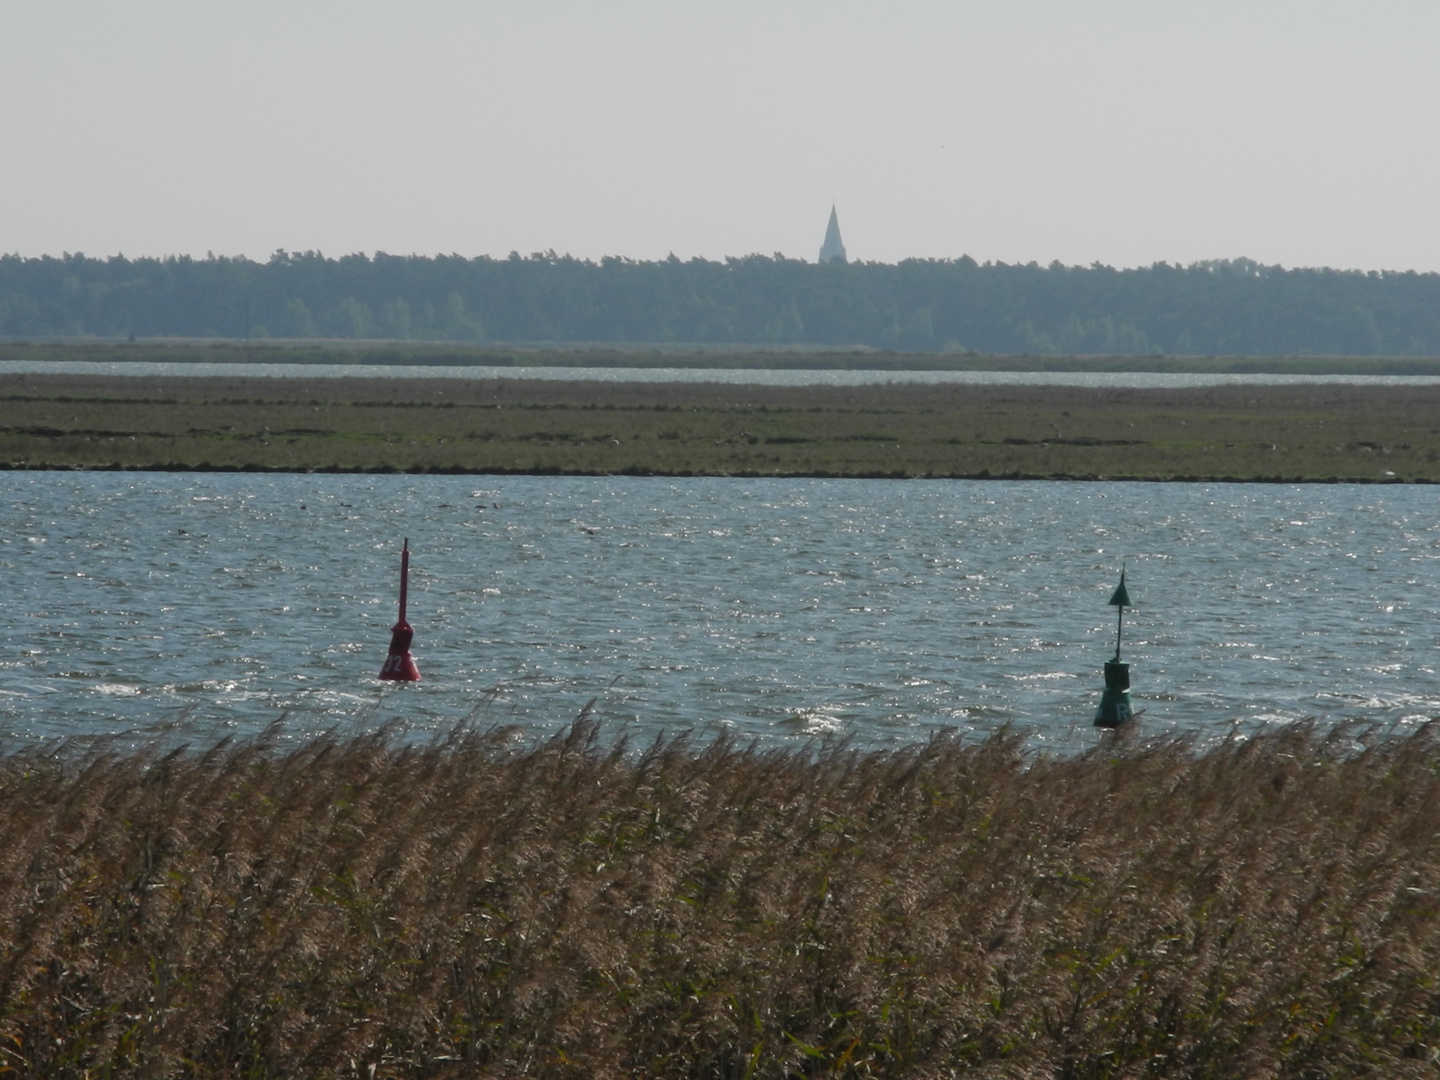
{"x":1265,"y":907}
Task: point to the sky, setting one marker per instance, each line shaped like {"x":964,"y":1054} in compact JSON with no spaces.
{"x":1124,"y":132}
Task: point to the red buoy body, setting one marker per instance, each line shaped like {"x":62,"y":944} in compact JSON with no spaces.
{"x":399,"y":664}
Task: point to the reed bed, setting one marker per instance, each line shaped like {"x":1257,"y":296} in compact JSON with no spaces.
{"x":1289,"y":433}
{"x":479,"y":906}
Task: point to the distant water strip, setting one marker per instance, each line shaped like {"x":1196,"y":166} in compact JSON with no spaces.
{"x":738,"y":376}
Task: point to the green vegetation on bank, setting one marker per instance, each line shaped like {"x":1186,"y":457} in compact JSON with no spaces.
{"x":1299,"y":433}
{"x":1218,"y":307}
{"x":1264,"y":907}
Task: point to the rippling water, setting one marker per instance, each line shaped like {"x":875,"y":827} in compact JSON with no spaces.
{"x":205,"y":604}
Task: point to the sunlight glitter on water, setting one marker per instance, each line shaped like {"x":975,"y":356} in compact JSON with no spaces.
{"x":782,"y":609}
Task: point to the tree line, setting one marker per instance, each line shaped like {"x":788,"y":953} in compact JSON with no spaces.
{"x":1231,"y":307}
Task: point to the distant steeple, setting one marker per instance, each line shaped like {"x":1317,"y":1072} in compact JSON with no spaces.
{"x":832,"y":250}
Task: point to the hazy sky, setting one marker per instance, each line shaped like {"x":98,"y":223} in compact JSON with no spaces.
{"x":1300,"y":132}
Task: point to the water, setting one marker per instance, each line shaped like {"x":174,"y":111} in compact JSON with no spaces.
{"x":746,"y":376}
{"x":192,"y":606}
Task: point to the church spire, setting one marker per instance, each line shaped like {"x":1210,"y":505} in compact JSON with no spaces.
{"x":832,"y":251}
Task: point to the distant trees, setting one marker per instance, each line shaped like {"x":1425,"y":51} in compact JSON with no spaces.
{"x":1232,"y":307}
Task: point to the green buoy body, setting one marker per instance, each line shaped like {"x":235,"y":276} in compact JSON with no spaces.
{"x":1115,"y":708}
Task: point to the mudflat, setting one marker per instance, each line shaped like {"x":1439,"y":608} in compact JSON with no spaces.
{"x":1311,"y":433}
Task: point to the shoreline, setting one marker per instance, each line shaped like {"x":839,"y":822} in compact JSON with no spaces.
{"x":387,"y":470}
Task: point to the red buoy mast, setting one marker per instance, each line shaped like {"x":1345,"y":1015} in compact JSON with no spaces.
{"x":404,"y":578}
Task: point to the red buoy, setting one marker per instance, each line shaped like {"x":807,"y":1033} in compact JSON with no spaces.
{"x":400,"y":665}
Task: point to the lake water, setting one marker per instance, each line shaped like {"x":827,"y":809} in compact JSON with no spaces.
{"x":748,"y":376}
{"x":193,"y":605}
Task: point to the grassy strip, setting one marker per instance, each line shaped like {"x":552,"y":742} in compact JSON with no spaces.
{"x":1303,"y":433}
{"x":696,"y":356}
{"x":1266,"y":907}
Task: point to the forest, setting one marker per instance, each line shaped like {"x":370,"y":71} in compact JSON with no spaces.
{"x":1229,"y":307}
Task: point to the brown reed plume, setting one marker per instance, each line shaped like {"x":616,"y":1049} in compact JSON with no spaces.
{"x":1264,"y":907}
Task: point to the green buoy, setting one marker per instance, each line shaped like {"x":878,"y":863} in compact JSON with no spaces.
{"x":1115,"y":707}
